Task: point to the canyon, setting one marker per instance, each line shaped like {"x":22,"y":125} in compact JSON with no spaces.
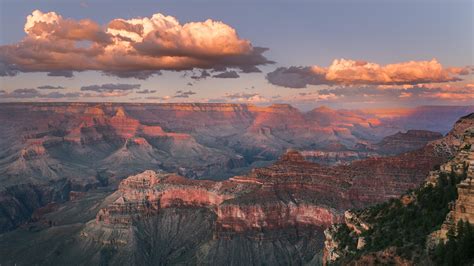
{"x":115,"y":182}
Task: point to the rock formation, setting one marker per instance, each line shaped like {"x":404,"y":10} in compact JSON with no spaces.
{"x":346,"y":242}
{"x":403,"y":142}
{"x":272,"y":214}
{"x":290,"y":193}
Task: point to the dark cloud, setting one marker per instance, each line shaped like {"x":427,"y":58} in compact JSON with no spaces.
{"x":61,"y":73}
{"x":111,"y":87}
{"x":295,"y":77}
{"x":140,"y":74}
{"x":227,"y":75}
{"x":251,"y":69}
{"x":49,"y":87}
{"x":22,"y":94}
{"x":183,"y":94}
{"x":203,"y":74}
{"x":7,"y":69}
{"x":57,"y":95}
{"x":189,"y":84}
{"x":146,"y":91}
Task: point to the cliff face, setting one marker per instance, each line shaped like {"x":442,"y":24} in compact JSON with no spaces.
{"x":93,"y":145}
{"x":359,"y":238}
{"x":274,"y":214}
{"x":403,"y":142}
{"x":18,"y":202}
{"x":291,"y":193}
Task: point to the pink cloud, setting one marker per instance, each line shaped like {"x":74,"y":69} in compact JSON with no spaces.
{"x":138,"y":47}
{"x":351,"y":72}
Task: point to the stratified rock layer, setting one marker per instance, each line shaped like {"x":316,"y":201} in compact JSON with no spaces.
{"x":458,"y":144}
{"x":290,"y":193}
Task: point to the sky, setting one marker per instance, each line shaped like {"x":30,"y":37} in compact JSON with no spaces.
{"x":342,"y":54}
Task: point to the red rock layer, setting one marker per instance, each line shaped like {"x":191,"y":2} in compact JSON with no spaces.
{"x":291,"y":192}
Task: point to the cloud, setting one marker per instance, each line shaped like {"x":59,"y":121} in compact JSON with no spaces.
{"x":296,"y":77}
{"x":138,"y":74}
{"x":57,"y":95}
{"x":243,"y":97}
{"x":138,"y":47}
{"x":227,"y":75}
{"x":164,"y":98}
{"x":49,"y":87}
{"x":60,"y":73}
{"x":35,"y":94}
{"x":203,"y":74}
{"x":414,"y":93}
{"x":110,"y":87}
{"x":146,"y":91}
{"x":183,"y":94}
{"x":250,"y":69}
{"x":349,"y":72}
{"x":7,"y":70}
{"x":22,"y":94}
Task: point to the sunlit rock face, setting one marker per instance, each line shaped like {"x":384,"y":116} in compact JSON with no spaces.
{"x":291,"y":192}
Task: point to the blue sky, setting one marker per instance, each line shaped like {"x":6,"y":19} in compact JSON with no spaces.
{"x":297,"y":33}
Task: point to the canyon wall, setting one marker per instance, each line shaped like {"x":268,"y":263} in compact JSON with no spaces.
{"x":446,"y":197}
{"x":98,"y":144}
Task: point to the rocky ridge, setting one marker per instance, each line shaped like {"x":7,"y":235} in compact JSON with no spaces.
{"x":347,"y":242}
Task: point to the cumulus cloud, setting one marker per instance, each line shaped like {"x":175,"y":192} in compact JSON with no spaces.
{"x":350,"y":72}
{"x":227,"y":75}
{"x":110,"y":87}
{"x":184,"y":94}
{"x":49,"y":87}
{"x":138,"y":47}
